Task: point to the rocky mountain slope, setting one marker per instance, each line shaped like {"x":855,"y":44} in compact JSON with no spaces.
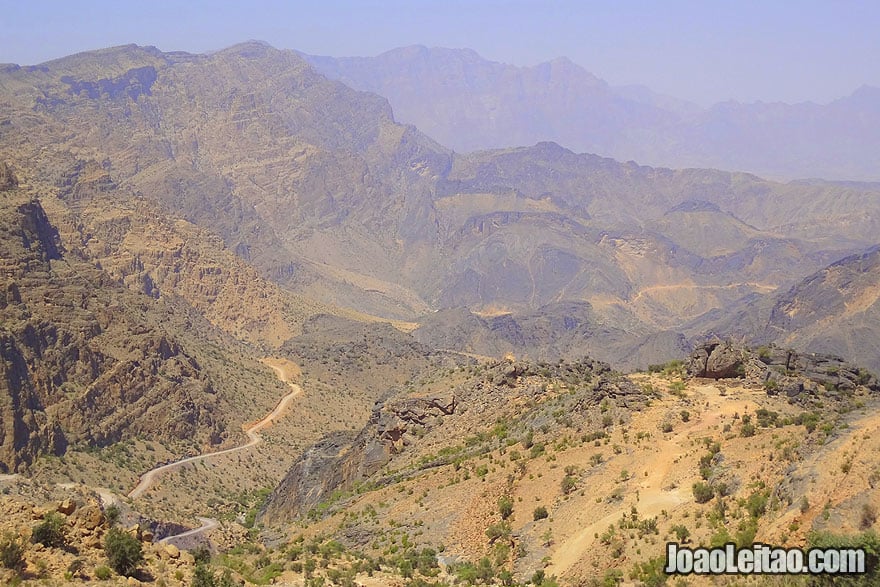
{"x":513,"y":470}
{"x":173,"y":225}
{"x":470,"y":103}
{"x":831,"y":311}
{"x":834,"y":310}
{"x":78,"y":347}
{"x":331,"y":198}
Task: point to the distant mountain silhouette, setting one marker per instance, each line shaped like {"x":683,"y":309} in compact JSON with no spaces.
{"x":469,"y":103}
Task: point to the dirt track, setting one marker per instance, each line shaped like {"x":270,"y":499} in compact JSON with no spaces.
{"x":254,"y":438}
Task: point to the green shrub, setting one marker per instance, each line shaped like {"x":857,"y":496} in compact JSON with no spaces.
{"x":496,"y":531}
{"x":681,"y":532}
{"x":756,"y":504}
{"x":103,"y":572}
{"x":12,"y":552}
{"x":202,"y":577}
{"x":123,"y":551}
{"x":505,"y":507}
{"x":112,"y":514}
{"x":703,"y":492}
{"x":540,"y":513}
{"x":50,"y":532}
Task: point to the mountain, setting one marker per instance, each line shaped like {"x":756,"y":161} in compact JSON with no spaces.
{"x":231,"y":251}
{"x":87,"y":362}
{"x":835,"y":309}
{"x":565,"y":470}
{"x":470,"y":103}
{"x":329,"y":198}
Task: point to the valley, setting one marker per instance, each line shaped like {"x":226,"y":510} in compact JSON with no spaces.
{"x":271,"y":334}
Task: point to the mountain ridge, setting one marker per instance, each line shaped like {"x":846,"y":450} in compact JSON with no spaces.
{"x":560,"y":101}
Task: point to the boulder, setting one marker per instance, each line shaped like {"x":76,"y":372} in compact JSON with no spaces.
{"x":717,"y":360}
{"x":89,"y":517}
{"x":171,"y":551}
{"x":724,"y":362}
{"x":66,"y":507}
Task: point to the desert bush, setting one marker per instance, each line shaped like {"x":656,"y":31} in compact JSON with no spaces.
{"x":496,"y":531}
{"x":681,"y":532}
{"x":123,"y":551}
{"x":112,"y":514}
{"x":703,"y":492}
{"x":540,"y":513}
{"x":505,"y":507}
{"x":50,"y":532}
{"x":12,"y":552}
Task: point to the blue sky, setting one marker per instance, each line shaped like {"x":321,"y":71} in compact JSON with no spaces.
{"x":705,"y":51}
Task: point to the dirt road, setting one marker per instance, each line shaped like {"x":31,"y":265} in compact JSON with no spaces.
{"x":254,"y":438}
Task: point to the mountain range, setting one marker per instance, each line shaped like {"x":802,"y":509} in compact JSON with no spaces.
{"x":469,"y":103}
{"x":169,"y":221}
{"x":327,"y":196}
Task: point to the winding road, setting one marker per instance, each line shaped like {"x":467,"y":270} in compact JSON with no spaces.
{"x":254,"y":438}
{"x":208,"y":524}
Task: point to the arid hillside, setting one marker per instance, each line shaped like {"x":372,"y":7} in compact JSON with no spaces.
{"x":327,"y":196}
{"x":246,"y":313}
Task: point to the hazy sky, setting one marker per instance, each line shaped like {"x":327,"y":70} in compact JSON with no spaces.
{"x":705,"y":51}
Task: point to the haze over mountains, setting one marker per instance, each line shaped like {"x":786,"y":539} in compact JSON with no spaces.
{"x":168,"y":220}
{"x":469,"y":103}
{"x":325,"y":194}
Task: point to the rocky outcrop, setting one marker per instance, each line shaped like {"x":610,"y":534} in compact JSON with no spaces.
{"x":81,"y":359}
{"x":399,"y":425}
{"x":340,"y":460}
{"x":717,"y":360}
{"x":802,"y":377}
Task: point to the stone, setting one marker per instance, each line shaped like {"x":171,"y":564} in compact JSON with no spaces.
{"x":724,"y":362}
{"x":171,"y":551}
{"x":89,"y":517}
{"x":717,"y":360}
{"x":67,"y":507}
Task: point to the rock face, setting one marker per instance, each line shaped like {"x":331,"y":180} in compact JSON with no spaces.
{"x":340,"y":460}
{"x":800,"y":376}
{"x":399,"y":424}
{"x":82,"y":359}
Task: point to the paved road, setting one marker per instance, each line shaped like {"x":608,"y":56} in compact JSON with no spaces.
{"x":254,"y":438}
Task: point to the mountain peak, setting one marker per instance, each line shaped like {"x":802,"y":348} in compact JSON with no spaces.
{"x":249,"y":49}
{"x":116,"y":59}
